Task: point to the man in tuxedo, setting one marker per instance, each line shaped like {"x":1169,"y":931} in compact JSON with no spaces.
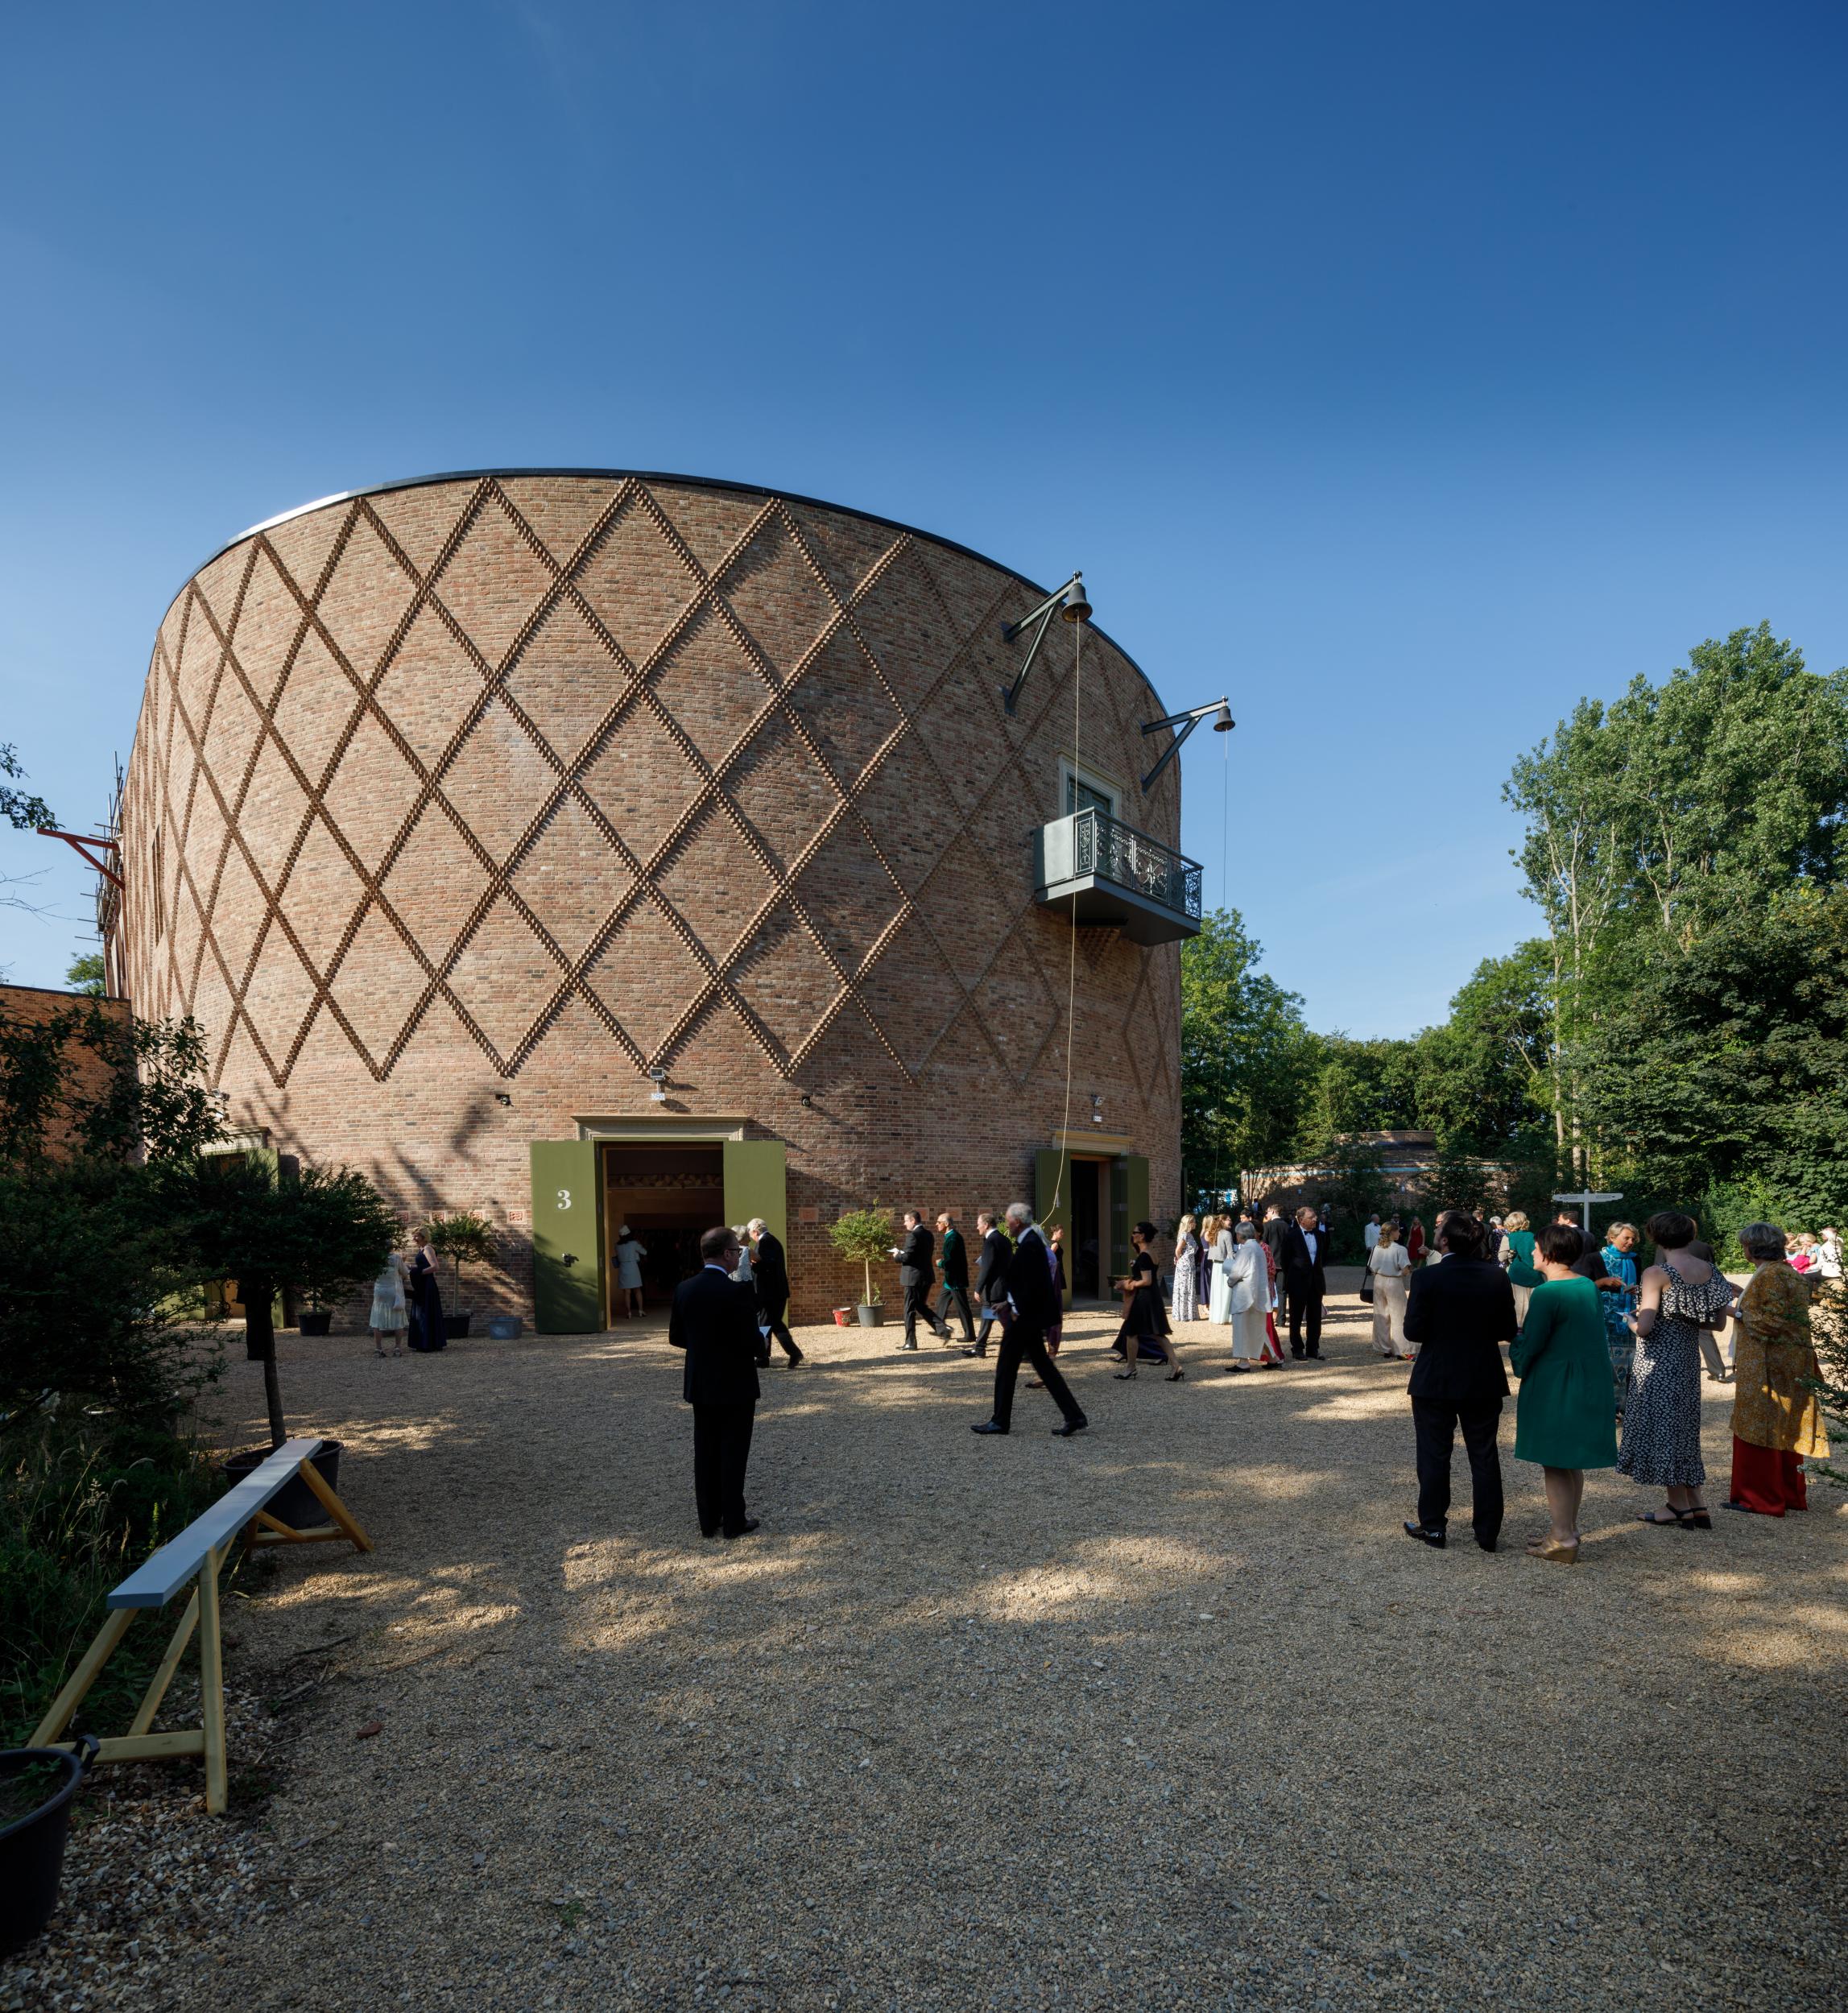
{"x":990,"y":1279}
{"x":1035,"y":1300}
{"x":714,"y":1320}
{"x":1459,"y":1312}
{"x":770,"y":1270}
{"x":917,"y":1274}
{"x":1305,"y":1280}
{"x":952,"y":1263}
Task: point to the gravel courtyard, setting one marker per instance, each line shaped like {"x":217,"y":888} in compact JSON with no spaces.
{"x":1172,"y":1715}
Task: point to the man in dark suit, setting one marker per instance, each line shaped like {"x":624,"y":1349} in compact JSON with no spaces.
{"x":1458,"y":1312}
{"x":1035,"y":1306}
{"x":714,"y":1320}
{"x":771,"y":1270}
{"x":990,"y":1279}
{"x":1305,"y":1253}
{"x":917,"y":1274}
{"x":1274,"y":1231}
{"x":953,"y":1264}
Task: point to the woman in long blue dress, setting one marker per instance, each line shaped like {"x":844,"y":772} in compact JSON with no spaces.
{"x":1619,"y":1259}
{"x":427,"y":1333}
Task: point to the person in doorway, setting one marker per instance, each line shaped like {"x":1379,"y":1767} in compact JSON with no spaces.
{"x":1389,"y":1265}
{"x":952,"y":1271}
{"x":990,"y":1279}
{"x":1028,"y":1288}
{"x":1145,"y":1318}
{"x":714,"y":1320}
{"x":917,"y":1273}
{"x":770,"y":1273}
{"x":1777,"y":1420}
{"x":427,"y":1332}
{"x":389,"y":1296}
{"x":1305,"y":1282}
{"x":1458,"y":1314}
{"x":627,"y":1258}
{"x":1565,"y":1418}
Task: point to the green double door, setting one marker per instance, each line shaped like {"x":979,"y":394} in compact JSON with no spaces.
{"x":568,"y":1251}
{"x":1128,"y":1204}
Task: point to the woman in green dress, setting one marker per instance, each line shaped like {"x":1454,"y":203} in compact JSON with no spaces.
{"x":1565,"y":1418}
{"x":1518,"y":1260}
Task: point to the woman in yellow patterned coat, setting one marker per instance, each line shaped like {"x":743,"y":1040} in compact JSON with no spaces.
{"x":1777,"y":1418}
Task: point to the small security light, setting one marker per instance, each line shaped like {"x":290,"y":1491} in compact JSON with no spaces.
{"x":659,"y":1094}
{"x":502,"y":1099}
{"x":1223,"y":723}
{"x":1071,"y":601}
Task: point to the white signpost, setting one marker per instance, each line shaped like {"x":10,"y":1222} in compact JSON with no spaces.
{"x":1586,"y":1197}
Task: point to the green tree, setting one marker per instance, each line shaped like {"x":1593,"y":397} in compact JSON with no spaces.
{"x":462,"y":1237}
{"x":25,"y":813}
{"x":273,"y":1230}
{"x":1247,"y":1059}
{"x":85,"y":974}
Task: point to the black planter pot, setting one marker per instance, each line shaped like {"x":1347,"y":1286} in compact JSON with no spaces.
{"x":316,"y":1321}
{"x":294,"y":1503}
{"x":32,"y":1850}
{"x":455,"y":1326}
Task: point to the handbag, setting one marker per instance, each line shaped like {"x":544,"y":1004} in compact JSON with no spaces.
{"x":1366,"y":1283}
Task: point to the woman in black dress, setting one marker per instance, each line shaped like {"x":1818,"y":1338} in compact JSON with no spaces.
{"x":1145,"y":1318}
{"x":427,"y":1333}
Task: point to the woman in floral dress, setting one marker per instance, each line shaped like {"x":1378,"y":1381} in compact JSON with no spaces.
{"x":1186,"y":1304}
{"x":1661,"y":1446}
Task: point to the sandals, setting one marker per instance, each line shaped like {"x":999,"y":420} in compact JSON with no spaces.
{"x":1698,"y":1518}
{"x":1550,"y":1548}
{"x":1174,"y":1377}
{"x":1125,"y":1376}
{"x":1667,"y":1515}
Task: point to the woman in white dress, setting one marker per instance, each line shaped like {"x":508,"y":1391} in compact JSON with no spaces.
{"x":389,"y":1314}
{"x":1185,"y":1305}
{"x":629,"y":1254}
{"x":1389,"y":1261}
{"x":1219,"y":1307}
{"x":1250,"y":1299}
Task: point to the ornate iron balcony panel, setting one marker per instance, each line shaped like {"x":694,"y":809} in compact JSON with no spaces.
{"x":1099,"y":869}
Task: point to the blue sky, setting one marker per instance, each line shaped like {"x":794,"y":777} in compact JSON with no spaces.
{"x":1407,"y":372}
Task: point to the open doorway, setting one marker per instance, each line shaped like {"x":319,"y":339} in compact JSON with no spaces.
{"x":666,"y":1196}
{"x":1089,"y":1263}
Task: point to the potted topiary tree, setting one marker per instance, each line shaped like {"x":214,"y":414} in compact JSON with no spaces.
{"x":865,"y":1234}
{"x":461,"y":1236}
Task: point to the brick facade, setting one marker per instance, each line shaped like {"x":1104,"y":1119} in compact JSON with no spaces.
{"x":522,"y":786}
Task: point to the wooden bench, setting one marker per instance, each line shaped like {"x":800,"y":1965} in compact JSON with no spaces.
{"x":199,"y":1554}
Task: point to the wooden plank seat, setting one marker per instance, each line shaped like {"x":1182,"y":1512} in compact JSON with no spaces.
{"x":198,"y":1553}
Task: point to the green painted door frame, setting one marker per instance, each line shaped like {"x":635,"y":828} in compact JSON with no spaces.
{"x":756,"y":1184}
{"x":567,"y":1237}
{"x":1046,"y":1214}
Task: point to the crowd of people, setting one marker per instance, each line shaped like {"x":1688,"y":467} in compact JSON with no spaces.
{"x":1608,"y":1352}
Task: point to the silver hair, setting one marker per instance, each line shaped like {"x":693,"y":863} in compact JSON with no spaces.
{"x":757,"y":1224}
{"x":1763,"y":1240}
{"x":1019,"y":1212}
{"x":1247,"y":1232}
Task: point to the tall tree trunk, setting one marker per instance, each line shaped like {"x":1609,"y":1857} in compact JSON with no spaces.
{"x":260,"y":1345}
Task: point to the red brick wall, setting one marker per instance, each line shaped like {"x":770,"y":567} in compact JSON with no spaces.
{"x":526,"y":785}
{"x":89,"y":1072}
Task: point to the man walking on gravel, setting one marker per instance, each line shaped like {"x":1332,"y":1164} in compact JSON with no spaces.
{"x":1029,"y":1287}
{"x":714,"y":1320}
{"x":990,"y":1280}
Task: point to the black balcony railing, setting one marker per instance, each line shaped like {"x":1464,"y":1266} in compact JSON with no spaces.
{"x":1113,"y":851}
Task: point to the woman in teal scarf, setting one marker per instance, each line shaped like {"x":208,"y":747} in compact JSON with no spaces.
{"x":1619,"y":1259}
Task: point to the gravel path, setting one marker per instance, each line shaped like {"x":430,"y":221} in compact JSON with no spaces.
{"x":1170,"y":1716}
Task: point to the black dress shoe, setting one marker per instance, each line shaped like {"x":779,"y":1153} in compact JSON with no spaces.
{"x":981,"y":1349}
{"x":794,"y":1358}
{"x":708,"y":1531}
{"x":744,"y":1529}
{"x":988,"y":1426}
{"x":1433,"y":1537}
{"x":1314,"y":1356}
{"x":1488,"y":1544}
{"x":905,"y":1346}
{"x":1069,"y":1428}
{"x":763,"y":1362}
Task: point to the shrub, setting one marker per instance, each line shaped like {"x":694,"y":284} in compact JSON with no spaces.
{"x":461,"y":1237}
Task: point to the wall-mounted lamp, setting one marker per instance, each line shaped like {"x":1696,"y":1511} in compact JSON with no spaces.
{"x":1097,"y":1107}
{"x":502,"y":1098}
{"x":1223,"y":723}
{"x":659,"y":1094}
{"x":1070,"y":601}
{"x":808,"y":1102}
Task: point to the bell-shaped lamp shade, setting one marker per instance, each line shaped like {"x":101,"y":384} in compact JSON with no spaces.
{"x":1076,"y":609}
{"x":1223,"y":720}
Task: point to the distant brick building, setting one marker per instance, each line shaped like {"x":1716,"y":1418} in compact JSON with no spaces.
{"x":89,"y":1067}
{"x":587,"y":847}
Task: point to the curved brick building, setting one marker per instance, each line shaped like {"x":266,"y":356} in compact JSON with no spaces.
{"x":586,"y":846}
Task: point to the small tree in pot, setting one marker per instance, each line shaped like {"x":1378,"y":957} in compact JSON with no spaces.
{"x":865,"y":1234}
{"x":462,"y":1237}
